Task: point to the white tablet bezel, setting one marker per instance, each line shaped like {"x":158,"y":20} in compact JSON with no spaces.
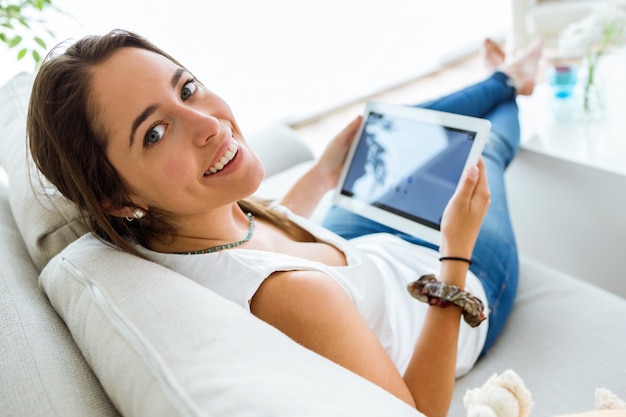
{"x":395,"y":221}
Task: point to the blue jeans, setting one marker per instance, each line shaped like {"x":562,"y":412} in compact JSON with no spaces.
{"x":495,"y":259}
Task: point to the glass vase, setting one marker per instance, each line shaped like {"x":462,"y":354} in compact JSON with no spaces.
{"x":592,"y":94}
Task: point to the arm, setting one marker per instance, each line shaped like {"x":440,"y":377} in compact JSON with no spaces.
{"x":311,"y":308}
{"x":306,"y":193}
{"x":434,"y":358}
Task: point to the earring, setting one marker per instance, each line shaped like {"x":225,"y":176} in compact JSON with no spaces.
{"x":137,"y":214}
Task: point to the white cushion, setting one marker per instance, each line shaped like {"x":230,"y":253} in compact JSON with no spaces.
{"x":42,"y":371}
{"x":565,"y":338}
{"x":46,"y":220}
{"x":162,"y":345}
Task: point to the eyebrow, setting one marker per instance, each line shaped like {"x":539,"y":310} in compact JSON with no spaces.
{"x":153,"y":107}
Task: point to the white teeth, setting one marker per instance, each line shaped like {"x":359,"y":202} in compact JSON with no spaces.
{"x":224,"y":160}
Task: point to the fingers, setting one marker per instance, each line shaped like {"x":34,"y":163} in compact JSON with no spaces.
{"x":331,"y":161}
{"x":482,"y":188}
{"x":469,"y":182}
{"x":465,"y":211}
{"x":349,"y":131}
{"x":354,"y":124}
{"x":474,"y":181}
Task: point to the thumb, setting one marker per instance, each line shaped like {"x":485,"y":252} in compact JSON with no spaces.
{"x":467,"y":183}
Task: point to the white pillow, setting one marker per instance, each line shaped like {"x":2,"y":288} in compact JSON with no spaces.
{"x":46,"y":220}
{"x":161,"y":345}
{"x":42,"y":371}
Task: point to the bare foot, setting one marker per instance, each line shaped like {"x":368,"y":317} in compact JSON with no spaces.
{"x":493,"y":54}
{"x":523,"y":69}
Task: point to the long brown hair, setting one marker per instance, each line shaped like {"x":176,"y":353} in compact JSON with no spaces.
{"x":69,"y":149}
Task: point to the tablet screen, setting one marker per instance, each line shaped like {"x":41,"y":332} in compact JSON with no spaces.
{"x":408,"y":167}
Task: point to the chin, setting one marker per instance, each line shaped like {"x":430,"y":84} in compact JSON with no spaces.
{"x":254,"y":180}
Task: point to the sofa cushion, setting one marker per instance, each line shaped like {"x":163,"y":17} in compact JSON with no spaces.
{"x":42,"y":372}
{"x":46,"y":220}
{"x":565,"y":338}
{"x":162,"y":345}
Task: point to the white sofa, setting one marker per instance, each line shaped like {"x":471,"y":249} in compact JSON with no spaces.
{"x":89,"y":331}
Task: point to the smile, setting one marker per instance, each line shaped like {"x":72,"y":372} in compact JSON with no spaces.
{"x":224,"y":160}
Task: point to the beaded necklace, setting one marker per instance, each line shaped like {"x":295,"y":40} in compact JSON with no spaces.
{"x":228,"y":245}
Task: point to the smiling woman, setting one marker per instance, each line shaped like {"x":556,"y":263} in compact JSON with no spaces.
{"x":166,"y":173}
{"x":181,"y":130}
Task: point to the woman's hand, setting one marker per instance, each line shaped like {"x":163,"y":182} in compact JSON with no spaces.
{"x":328,"y":167}
{"x":323,"y":176}
{"x":464,"y":213}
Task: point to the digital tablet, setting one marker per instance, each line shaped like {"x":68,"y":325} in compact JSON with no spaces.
{"x":404,"y":165}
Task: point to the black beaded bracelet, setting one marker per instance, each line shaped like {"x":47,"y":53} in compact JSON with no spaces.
{"x":435,"y":293}
{"x":455,"y":258}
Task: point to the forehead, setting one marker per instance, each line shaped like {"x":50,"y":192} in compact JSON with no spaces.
{"x":126,"y":82}
{"x":127,"y":64}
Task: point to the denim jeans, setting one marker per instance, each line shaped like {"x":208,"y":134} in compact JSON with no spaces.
{"x":495,"y":259}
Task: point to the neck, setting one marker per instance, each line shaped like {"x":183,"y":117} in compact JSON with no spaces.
{"x":196,"y":233}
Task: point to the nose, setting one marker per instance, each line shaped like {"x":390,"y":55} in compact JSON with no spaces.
{"x":200,"y":125}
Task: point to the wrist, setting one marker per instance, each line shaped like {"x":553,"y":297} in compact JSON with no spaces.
{"x":453,"y":273}
{"x":463,"y":259}
{"x":436,"y":293}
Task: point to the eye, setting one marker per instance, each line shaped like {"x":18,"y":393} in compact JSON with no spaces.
{"x":188,"y":89}
{"x":154,"y":135}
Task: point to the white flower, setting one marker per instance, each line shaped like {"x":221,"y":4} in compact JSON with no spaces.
{"x":604,"y":26}
{"x":590,"y":37}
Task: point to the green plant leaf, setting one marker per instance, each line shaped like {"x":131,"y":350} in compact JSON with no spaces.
{"x":14,"y":41}
{"x":40,"y":42}
{"x":36,"y":56}
{"x":13,"y":9}
{"x":23,"y":22}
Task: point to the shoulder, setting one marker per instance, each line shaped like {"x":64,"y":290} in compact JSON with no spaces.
{"x":309,"y":306}
{"x":294,"y":291}
{"x":315,"y":311}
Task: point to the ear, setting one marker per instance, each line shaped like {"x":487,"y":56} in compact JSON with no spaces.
{"x":128,"y":212}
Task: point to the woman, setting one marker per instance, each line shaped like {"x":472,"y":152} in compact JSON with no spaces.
{"x":165,"y":172}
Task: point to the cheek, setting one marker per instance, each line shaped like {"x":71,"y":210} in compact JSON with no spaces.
{"x":175,"y":170}
{"x":255,"y":178}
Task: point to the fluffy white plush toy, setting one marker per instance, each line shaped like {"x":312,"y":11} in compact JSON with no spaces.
{"x":606,"y":400}
{"x":502,"y":395}
{"x":506,"y":395}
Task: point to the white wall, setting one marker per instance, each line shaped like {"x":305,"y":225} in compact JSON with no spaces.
{"x":283,"y":59}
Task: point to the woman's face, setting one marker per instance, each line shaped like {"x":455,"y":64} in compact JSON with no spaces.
{"x":174,"y":143}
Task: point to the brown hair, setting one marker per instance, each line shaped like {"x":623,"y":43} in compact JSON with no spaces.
{"x":68,"y":146}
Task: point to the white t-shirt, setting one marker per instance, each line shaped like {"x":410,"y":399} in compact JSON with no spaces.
{"x":379,"y":268}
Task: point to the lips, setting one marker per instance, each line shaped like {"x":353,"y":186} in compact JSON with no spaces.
{"x":224,"y":160}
